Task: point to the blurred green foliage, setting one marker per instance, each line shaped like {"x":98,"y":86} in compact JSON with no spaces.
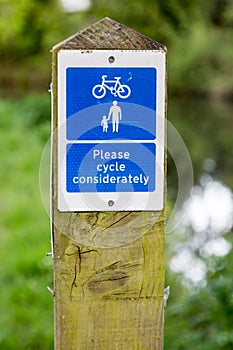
{"x":26,"y":306}
{"x":198,"y":34}
{"x":201,"y":319}
{"x":199,"y":37}
{"x":28,"y":26}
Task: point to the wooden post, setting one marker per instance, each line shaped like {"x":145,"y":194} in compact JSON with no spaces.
{"x":109,"y":266}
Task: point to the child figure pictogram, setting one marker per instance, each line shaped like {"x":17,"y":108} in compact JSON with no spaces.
{"x":104,"y":123}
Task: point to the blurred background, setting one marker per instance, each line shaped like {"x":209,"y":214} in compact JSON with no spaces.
{"x":199,"y":256}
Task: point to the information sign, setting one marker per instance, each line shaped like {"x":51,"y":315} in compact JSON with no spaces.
{"x":111,"y":119}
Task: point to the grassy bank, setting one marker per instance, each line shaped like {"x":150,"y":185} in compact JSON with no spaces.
{"x":26,"y":306}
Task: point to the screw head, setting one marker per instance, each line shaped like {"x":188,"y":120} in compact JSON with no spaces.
{"x":111,"y":59}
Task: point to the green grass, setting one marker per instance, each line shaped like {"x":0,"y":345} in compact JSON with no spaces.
{"x":26,"y":320}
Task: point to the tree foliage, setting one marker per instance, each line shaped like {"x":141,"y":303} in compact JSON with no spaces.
{"x":202,"y":319}
{"x":193,"y":31}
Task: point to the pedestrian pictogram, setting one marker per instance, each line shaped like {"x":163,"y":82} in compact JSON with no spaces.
{"x":116,"y":114}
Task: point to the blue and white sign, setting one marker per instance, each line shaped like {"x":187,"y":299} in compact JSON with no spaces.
{"x":121,"y":105}
{"x":111,"y":116}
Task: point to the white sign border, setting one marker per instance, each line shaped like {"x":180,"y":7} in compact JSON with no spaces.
{"x":123,"y":201}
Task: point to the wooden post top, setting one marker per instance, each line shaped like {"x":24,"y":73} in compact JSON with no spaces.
{"x":109,"y":34}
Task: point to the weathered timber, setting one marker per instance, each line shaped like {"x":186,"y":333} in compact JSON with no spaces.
{"x":109,"y":266}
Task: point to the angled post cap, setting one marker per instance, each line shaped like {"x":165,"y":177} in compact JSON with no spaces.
{"x":109,"y":34}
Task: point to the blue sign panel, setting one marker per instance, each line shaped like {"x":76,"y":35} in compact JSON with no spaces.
{"x":120,"y":167}
{"x":111,"y":103}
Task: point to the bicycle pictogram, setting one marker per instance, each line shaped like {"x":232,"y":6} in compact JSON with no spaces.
{"x":114,"y":86}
